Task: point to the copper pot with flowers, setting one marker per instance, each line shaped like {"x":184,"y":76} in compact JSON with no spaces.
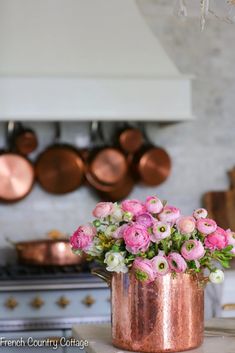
{"x":155,"y":259}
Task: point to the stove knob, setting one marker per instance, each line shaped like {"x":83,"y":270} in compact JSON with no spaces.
{"x":229,"y":306}
{"x":62,"y":302}
{"x":11,"y":303}
{"x":88,"y":300}
{"x":37,"y":303}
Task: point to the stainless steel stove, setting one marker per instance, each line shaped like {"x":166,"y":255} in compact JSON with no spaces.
{"x":50,"y":298}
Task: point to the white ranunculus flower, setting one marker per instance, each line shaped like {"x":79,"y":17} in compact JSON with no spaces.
{"x":217,"y":276}
{"x":109,"y":230}
{"x":117,"y":213}
{"x":115,"y":262}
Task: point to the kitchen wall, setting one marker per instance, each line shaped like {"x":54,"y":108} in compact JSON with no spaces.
{"x":202,"y":150}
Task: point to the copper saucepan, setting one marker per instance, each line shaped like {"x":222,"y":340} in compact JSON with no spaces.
{"x":60,"y":168}
{"x":106,"y":163}
{"x":130,"y":139}
{"x":16,"y":172}
{"x":47,"y":252}
{"x":24,"y":140}
{"x":151,"y":164}
{"x":107,"y":169}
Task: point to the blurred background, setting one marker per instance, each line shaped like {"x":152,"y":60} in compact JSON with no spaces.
{"x":154,"y":74}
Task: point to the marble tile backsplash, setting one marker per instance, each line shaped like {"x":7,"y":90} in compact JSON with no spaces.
{"x":202,"y":150}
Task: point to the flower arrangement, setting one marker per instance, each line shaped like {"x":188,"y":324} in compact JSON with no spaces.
{"x":152,"y":239}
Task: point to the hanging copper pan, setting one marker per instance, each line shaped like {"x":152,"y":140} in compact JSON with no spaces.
{"x":106,"y":164}
{"x":114,"y":192}
{"x":151,"y":164}
{"x":25,"y":140}
{"x":16,"y":172}
{"x":60,"y":168}
{"x":130,"y":139}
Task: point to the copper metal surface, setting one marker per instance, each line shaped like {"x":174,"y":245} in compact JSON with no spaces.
{"x":26,"y":142}
{"x":47,"y":252}
{"x":59,"y":170}
{"x":113,"y":192}
{"x":164,"y":316}
{"x":131,"y":139}
{"x":108,"y":166}
{"x":154,"y":166}
{"x":16,"y":177}
{"x":120,"y":190}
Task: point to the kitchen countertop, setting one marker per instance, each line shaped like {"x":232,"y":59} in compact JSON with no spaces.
{"x":99,"y":338}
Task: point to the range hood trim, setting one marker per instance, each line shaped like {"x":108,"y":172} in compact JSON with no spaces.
{"x":60,"y":98}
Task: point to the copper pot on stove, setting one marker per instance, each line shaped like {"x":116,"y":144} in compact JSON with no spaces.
{"x":53,"y":251}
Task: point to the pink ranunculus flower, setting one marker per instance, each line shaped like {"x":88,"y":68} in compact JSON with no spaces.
{"x":192,"y":250}
{"x":160,"y":265}
{"x":206,"y":225}
{"x":135,"y":207}
{"x":118,"y":233}
{"x":200,"y":213}
{"x":161,"y":230}
{"x":136,"y":238}
{"x":186,"y":225}
{"x":103,"y":209}
{"x":169,"y":214}
{"x":176,"y":262}
{"x":217,"y":240}
{"x":143,"y":270}
{"x":82,"y":238}
{"x":153,"y":204}
{"x":231,"y":239}
{"x":146,"y":219}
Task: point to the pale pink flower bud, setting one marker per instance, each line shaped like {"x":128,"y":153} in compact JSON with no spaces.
{"x":200,"y":213}
{"x":135,"y":207}
{"x":192,"y":250}
{"x":176,"y":262}
{"x":145,"y":219}
{"x":206,"y":225}
{"x":143,"y":270}
{"x":169,"y":214}
{"x":103,"y":209}
{"x":153,"y":204}
{"x":186,"y":225}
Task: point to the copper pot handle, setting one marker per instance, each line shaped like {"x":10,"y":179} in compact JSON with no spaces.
{"x":103,"y":274}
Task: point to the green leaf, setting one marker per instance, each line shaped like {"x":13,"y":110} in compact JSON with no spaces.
{"x":115,"y":248}
{"x":225,"y":264}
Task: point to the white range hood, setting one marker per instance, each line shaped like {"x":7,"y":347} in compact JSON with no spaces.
{"x":85,"y":60}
